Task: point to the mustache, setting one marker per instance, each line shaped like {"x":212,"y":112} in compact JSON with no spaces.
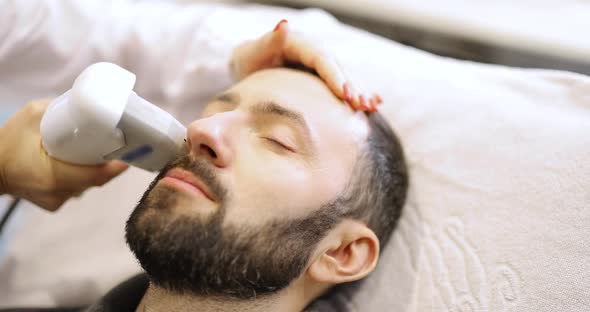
{"x":203,"y":170}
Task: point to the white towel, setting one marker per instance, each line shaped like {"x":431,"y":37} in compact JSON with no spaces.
{"x":498,"y":213}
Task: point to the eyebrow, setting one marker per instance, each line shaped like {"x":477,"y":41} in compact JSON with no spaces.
{"x":269,"y":108}
{"x":265,"y":108}
{"x":228,"y":98}
{"x":272,"y":108}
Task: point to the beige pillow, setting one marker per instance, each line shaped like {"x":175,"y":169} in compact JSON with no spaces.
{"x":498,"y":212}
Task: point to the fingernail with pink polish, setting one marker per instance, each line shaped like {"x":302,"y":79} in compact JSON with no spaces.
{"x":346,"y":92}
{"x":378,"y":99}
{"x":363,"y":102}
{"x":283,"y":21}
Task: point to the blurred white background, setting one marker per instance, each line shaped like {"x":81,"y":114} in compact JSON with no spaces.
{"x":549,"y":34}
{"x":526,"y":33}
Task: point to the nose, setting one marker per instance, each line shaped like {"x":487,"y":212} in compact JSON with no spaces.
{"x":210,"y":138}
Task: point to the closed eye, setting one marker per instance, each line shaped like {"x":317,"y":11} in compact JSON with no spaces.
{"x":279,"y":144}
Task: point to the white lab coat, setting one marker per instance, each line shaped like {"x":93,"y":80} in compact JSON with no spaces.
{"x":180,"y":54}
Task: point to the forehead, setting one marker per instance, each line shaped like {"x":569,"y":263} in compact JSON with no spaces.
{"x":336,"y":131}
{"x":329,"y":119}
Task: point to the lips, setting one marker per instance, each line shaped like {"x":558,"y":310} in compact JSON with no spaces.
{"x":189,"y":178}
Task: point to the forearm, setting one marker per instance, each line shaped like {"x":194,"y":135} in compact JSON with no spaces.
{"x":180,"y":52}
{"x":45,"y":44}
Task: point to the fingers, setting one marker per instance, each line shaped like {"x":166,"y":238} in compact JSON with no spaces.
{"x":360,"y":101}
{"x":299,"y":50}
{"x":76,"y":178}
{"x":279,"y":25}
{"x":281,"y":45}
{"x":98,"y":176}
{"x":365,"y":102}
{"x":369,"y":104}
{"x":71,"y":181}
{"x":331,"y":72}
{"x":36,"y":109}
{"x":50,"y":201}
{"x":262,"y":53}
{"x":36,"y":176}
{"x":114,"y":168}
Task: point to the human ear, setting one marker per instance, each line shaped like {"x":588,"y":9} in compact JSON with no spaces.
{"x":348,"y":253}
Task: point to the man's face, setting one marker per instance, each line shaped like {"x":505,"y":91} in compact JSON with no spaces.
{"x":266,"y":165}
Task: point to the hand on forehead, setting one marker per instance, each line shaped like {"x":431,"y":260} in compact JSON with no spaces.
{"x":294,"y":109}
{"x":295,"y":94}
{"x":282,"y":46}
{"x":284,"y":131}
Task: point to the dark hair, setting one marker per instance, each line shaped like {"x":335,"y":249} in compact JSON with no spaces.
{"x":377,"y":190}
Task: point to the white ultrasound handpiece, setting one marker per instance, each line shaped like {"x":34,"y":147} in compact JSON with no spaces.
{"x":100,"y":118}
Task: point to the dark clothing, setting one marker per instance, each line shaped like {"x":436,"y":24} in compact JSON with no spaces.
{"x":125,"y":297}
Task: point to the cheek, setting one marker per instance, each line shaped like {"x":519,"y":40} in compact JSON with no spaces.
{"x":266,"y":186}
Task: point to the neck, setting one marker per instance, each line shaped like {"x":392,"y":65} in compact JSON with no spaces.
{"x":158,"y":299}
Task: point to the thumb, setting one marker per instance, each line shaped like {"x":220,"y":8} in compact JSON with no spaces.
{"x":76,"y":177}
{"x":265,"y":52}
{"x":110,"y":170}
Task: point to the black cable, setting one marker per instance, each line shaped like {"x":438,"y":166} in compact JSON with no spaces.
{"x":11,"y":208}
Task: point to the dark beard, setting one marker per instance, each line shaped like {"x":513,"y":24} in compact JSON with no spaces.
{"x":199,"y":256}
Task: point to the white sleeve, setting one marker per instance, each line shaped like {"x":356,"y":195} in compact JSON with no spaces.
{"x":179,"y":52}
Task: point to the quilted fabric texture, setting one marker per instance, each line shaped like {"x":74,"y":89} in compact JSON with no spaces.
{"x":497,"y":217}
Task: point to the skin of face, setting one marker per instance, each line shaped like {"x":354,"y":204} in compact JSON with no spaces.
{"x":270,"y":156}
{"x":274,"y":165}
